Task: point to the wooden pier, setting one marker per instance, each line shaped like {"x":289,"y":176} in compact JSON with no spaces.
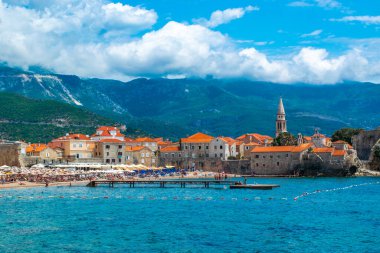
{"x":182,"y":183}
{"x":161,"y":183}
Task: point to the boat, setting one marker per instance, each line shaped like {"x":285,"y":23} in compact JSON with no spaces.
{"x":239,"y":185}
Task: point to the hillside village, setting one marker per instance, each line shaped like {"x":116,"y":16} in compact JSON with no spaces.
{"x":249,"y":154}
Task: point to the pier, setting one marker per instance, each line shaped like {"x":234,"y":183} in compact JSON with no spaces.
{"x":161,"y":183}
{"x":182,"y":183}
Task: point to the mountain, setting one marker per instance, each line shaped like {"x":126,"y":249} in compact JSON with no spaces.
{"x":42,"y":120}
{"x":179,"y":107}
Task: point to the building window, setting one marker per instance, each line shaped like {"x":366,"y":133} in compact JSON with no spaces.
{"x":257,"y":156}
{"x":263,"y":156}
{"x":107,"y":160}
{"x":119,"y":160}
{"x":206,"y":155}
{"x":80,"y":145}
{"x":199,"y":147}
{"x":142,"y":154}
{"x":257,"y":165}
{"x":263,"y":165}
{"x":192,"y":147}
{"x":153,"y":160}
{"x":246,"y":148}
{"x":221,"y":147}
{"x":74,"y":145}
{"x":108,"y":153}
{"x":221,"y":155}
{"x":206,"y":147}
{"x":142,"y":161}
{"x":147,"y":155}
{"x":216,"y":155}
{"x":287,"y":155}
{"x":120,"y":153}
{"x":107,"y":146}
{"x":271,"y":156}
{"x":186,"y":147}
{"x":120,"y":146}
{"x":173,"y":155}
{"x":166,"y":155}
{"x":113,"y":160}
{"x":278,"y":163}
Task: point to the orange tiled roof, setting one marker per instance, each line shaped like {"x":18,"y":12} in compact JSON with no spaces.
{"x":197,"y":138}
{"x":339,"y":152}
{"x":307,"y":138}
{"x":258,"y":137}
{"x":134,"y":149}
{"x":145,"y":139}
{"x":302,"y":147}
{"x":35,"y":147}
{"x":171,"y":149}
{"x":73,"y":137}
{"x":106,"y":131}
{"x":323,"y":150}
{"x":273,"y":149}
{"x":111,"y":140}
{"x":340,"y":142}
{"x":279,"y":149}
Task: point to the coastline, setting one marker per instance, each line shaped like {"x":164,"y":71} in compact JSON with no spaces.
{"x":25,"y":184}
{"x":17,"y":185}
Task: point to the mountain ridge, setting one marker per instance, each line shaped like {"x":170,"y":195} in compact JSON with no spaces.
{"x":178,"y":107}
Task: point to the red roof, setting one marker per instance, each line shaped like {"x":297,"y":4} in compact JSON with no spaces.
{"x":340,"y":142}
{"x":145,"y":139}
{"x":171,"y":149}
{"x":36,"y":147}
{"x":197,"y":138}
{"x":73,"y":137}
{"x":106,"y":131}
{"x":134,"y":149}
{"x":339,"y":152}
{"x":110,"y":140}
{"x":323,"y":150}
{"x":258,"y":137}
{"x":279,"y":149}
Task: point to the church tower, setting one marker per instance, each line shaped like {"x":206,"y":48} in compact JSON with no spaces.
{"x":281,"y":121}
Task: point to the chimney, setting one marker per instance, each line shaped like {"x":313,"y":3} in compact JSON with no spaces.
{"x":266,"y":142}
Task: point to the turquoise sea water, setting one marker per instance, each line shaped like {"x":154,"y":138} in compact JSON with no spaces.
{"x":79,"y":219}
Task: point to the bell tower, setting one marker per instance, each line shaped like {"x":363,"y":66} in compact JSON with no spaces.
{"x":281,"y":120}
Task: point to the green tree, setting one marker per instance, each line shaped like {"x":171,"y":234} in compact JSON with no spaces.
{"x":285,"y":139}
{"x":345,"y":134}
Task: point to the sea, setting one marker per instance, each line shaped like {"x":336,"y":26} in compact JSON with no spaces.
{"x":302,"y":215}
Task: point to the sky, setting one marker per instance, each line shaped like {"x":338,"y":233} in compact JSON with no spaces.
{"x":285,"y":41}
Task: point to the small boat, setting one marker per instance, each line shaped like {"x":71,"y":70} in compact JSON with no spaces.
{"x":239,"y":185}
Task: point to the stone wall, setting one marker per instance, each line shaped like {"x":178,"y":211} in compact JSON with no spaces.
{"x":10,"y":154}
{"x":364,"y":141}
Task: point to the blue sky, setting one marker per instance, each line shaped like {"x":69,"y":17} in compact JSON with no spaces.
{"x":309,"y":41}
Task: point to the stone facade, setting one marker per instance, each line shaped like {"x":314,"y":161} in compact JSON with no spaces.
{"x":110,"y":151}
{"x":141,"y":155}
{"x":11,"y":153}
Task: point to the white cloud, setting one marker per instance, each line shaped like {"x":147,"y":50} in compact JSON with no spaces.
{"x":299,"y":4}
{"x":220,"y":17}
{"x":369,"y":20}
{"x":330,"y":4}
{"x":312,"y":34}
{"x":326,"y":4}
{"x":71,"y":40}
